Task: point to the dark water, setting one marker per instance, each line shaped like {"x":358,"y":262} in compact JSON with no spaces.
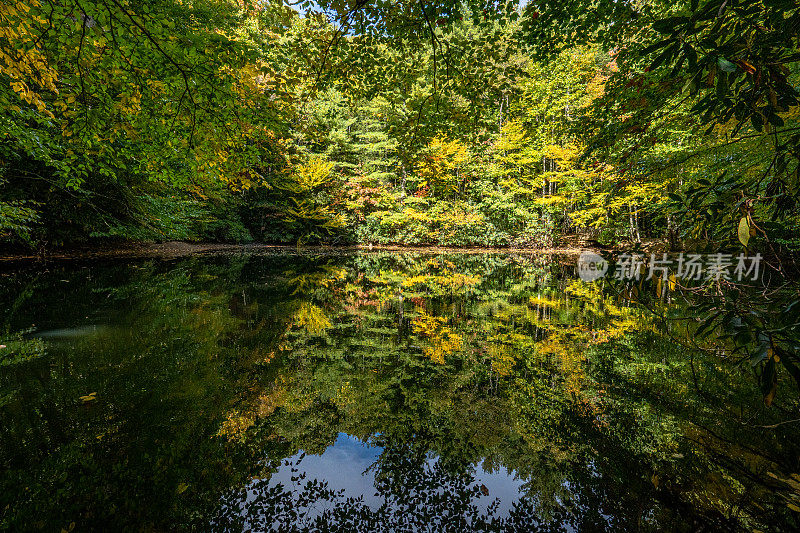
{"x":372,"y":392}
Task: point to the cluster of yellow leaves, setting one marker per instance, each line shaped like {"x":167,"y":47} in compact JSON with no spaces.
{"x":309,"y":176}
{"x":621,"y":196}
{"x":302,"y":182}
{"x":409,"y":217}
{"x":25,"y":63}
{"x":514,"y":148}
{"x":596,"y":86}
{"x":442,"y":162}
{"x":443,"y":340}
{"x":459,"y":216}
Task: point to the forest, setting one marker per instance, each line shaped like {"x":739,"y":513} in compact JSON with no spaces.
{"x":491,"y":124}
{"x":383,"y":203}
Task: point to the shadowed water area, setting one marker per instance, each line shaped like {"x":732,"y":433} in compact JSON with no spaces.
{"x":380,"y":391}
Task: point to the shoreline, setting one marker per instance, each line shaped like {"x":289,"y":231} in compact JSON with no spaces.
{"x":177,"y":249}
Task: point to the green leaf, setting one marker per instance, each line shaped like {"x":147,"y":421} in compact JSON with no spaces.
{"x":656,"y":46}
{"x":664,"y":56}
{"x":758,"y":122}
{"x":789,"y":365}
{"x":726,"y":65}
{"x":707,"y":323}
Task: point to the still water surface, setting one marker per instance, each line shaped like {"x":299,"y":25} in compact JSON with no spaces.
{"x":370,"y":392}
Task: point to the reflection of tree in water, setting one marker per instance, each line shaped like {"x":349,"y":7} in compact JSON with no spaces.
{"x":217,"y":363}
{"x":418,"y":494}
{"x":506,"y":359}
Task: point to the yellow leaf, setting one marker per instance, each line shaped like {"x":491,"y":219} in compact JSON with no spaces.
{"x":744,"y":231}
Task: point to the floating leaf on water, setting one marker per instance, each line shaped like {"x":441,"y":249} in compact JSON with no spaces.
{"x":89,"y":397}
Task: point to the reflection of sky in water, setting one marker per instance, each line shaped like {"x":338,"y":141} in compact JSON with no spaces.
{"x":346,"y":466}
{"x":70,"y":333}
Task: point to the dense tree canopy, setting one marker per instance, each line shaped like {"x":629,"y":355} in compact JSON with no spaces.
{"x":445,"y":122}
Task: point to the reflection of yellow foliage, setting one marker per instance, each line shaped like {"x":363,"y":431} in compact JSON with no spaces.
{"x":210,"y":319}
{"x":449,"y":281}
{"x":540,"y":300}
{"x":505,"y":348}
{"x":239,"y":422}
{"x":624,"y":318}
{"x":561,"y":343}
{"x":443,"y":279}
{"x":235,"y":425}
{"x":567,"y":342}
{"x":311,"y":318}
{"x":502,"y":358}
{"x":305,"y":283}
{"x":443,"y":340}
{"x":344,"y":396}
{"x":284,"y":394}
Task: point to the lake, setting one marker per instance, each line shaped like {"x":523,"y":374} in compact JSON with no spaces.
{"x":374,"y":391}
